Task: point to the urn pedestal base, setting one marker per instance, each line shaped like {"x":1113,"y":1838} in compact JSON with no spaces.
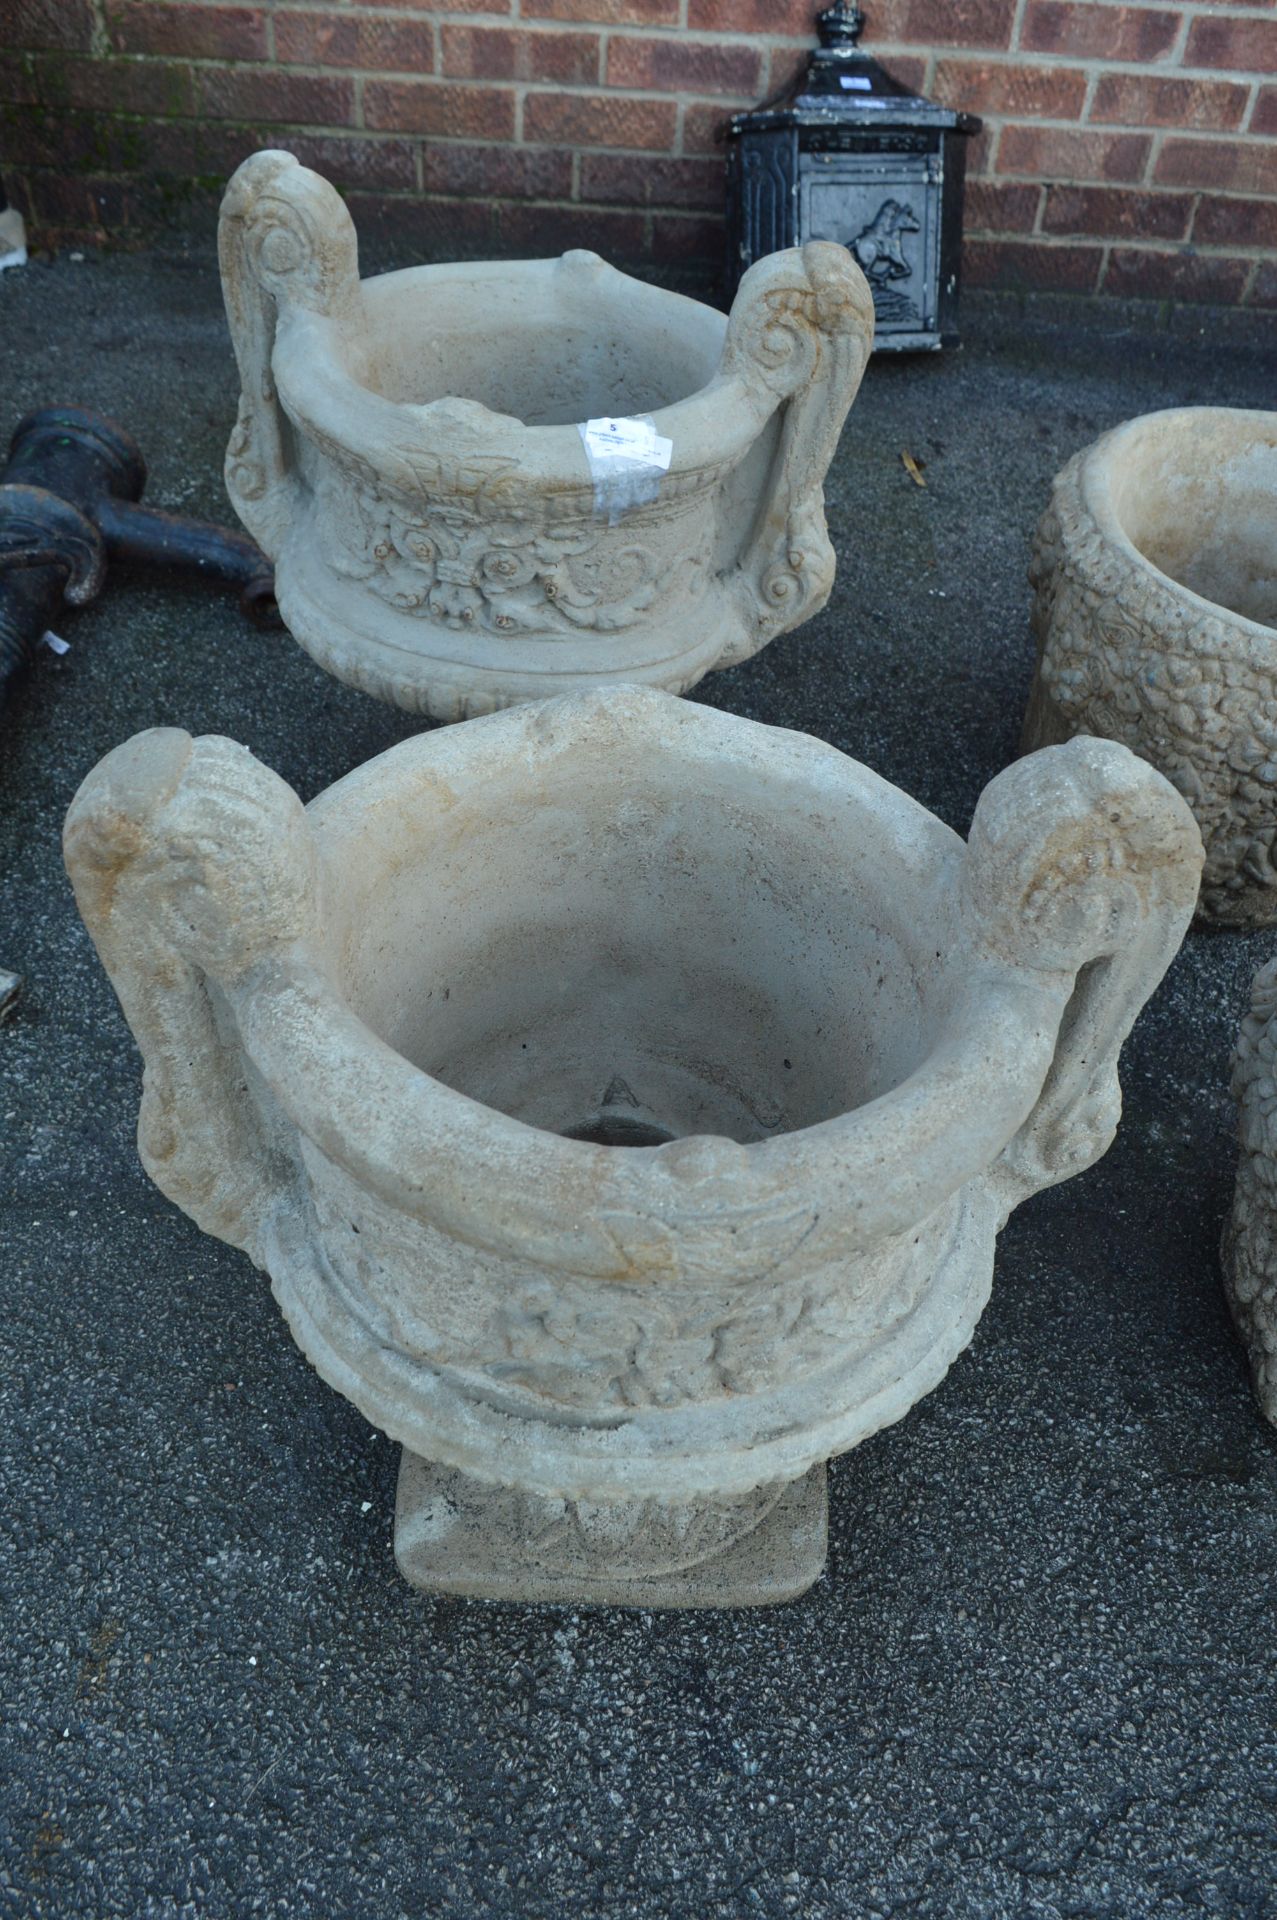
{"x":457,"y":1535}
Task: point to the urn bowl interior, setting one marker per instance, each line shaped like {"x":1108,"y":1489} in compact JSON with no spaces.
{"x":628,"y":949}
{"x":550,"y":342}
{"x":1196,"y":493}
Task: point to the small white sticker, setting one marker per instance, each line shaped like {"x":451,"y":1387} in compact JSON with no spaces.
{"x":56,"y":643}
{"x":627,"y":457}
{"x":635,"y":439}
{"x":855,"y":82}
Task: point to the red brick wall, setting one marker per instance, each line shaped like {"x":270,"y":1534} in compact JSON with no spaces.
{"x":1129,"y":144}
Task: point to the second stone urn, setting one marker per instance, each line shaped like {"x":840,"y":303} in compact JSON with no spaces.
{"x":483,"y":484}
{"x":1155,"y":577}
{"x":624,"y":1098}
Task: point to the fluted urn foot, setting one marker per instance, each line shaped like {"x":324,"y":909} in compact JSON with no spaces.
{"x":454,"y":1534}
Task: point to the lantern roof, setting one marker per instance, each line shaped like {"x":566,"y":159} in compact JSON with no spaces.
{"x":842,"y":86}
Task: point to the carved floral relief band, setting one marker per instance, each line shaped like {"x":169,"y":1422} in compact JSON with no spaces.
{"x":408,"y":454}
{"x":624,"y":1098}
{"x":1155,"y":579}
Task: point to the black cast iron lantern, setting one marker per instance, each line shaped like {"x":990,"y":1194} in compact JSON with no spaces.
{"x":846,"y":153}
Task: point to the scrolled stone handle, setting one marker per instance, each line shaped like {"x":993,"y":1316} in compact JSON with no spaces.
{"x":284,"y":239}
{"x":192,"y":865}
{"x":802,"y":324}
{"x":1083,"y":863}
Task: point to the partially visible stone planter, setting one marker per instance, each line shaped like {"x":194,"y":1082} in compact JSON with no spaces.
{"x":624,"y":1098}
{"x":408,"y":454}
{"x":1250,"y":1235}
{"x":1155,"y":574}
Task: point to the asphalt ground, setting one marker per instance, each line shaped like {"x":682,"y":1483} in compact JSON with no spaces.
{"x":1037,"y":1678}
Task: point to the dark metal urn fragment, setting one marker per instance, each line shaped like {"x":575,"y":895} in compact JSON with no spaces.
{"x":69,"y":504}
{"x":846,"y":153}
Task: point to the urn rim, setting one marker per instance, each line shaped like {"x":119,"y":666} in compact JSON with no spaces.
{"x":712,"y":426}
{"x":1096,"y":481}
{"x":891,"y":1160}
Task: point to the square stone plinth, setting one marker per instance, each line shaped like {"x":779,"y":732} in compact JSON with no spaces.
{"x":457,"y":1535}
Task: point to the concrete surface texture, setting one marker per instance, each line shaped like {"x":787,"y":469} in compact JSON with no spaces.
{"x":1038,"y":1677}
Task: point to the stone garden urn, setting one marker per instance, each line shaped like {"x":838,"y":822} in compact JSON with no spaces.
{"x":624,"y":1098}
{"x":1250,"y":1234}
{"x":1155,"y":577}
{"x":487,"y":483}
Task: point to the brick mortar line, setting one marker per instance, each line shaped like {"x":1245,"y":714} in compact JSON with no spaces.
{"x":1049,"y":242}
{"x":404,"y":196}
{"x":1028,"y":236}
{"x":1189,"y":9}
{"x":1176,"y":50}
{"x":1092,"y":64}
{"x":998,"y":122}
{"x":1193,"y":10}
{"x":1094,"y":69}
{"x":1253,"y":257}
{"x":1153,"y":192}
{"x":717,"y":38}
{"x":379,"y":136}
{"x":1250,"y":257}
{"x":1149,"y":176}
{"x":1121,"y":128}
{"x":404,"y":75}
{"x":761,"y":43}
{"x":99,"y":33}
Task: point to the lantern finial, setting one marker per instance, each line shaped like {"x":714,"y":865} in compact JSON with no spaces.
{"x":840,"y":26}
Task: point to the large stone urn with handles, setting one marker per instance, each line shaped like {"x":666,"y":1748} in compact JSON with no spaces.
{"x":410,"y":453}
{"x":624,"y":1098}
